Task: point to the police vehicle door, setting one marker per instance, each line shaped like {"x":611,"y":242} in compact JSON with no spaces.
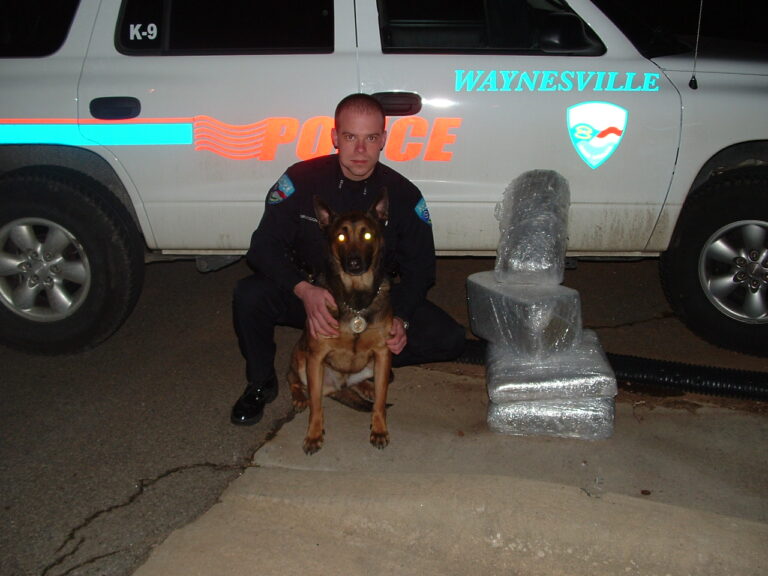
{"x":515,"y":85}
{"x":204,"y":105}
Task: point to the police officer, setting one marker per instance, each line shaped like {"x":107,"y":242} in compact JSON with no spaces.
{"x":287,"y":251}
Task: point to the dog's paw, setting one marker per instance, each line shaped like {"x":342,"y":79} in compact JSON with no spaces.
{"x":312,"y":444}
{"x":299,"y":400}
{"x":300,"y":405}
{"x":379,"y":439}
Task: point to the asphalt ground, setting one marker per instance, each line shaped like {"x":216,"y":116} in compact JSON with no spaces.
{"x":105,"y":453}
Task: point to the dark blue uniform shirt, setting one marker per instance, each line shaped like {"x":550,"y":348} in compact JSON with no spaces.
{"x":288,"y":245}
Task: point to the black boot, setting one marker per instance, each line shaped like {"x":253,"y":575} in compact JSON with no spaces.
{"x":249,"y":408}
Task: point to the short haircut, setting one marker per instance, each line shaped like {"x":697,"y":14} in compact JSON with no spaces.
{"x":363,"y":103}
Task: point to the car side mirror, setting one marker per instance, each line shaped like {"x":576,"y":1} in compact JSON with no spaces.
{"x":566,"y":33}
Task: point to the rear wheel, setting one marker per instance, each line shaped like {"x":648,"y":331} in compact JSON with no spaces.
{"x":71,"y":262}
{"x":715,"y":272}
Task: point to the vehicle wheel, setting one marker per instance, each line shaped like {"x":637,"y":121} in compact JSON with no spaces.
{"x":71,"y":263}
{"x":715,"y":272}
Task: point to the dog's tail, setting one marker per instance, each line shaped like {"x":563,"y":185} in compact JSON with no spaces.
{"x":359,"y":396}
{"x":350,"y":398}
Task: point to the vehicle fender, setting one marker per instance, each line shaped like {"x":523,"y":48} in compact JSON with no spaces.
{"x":80,"y":161}
{"x":754,"y":153}
{"x":736,"y":156}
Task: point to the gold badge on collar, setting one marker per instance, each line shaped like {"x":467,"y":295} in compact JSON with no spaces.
{"x":358,"y":324}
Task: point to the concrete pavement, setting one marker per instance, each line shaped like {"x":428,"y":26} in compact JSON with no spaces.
{"x":106,"y":453}
{"x":679,"y":489}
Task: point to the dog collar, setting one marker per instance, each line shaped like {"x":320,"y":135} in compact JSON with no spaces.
{"x":358,"y":323}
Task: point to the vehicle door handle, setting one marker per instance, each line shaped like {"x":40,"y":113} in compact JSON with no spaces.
{"x":115,"y":108}
{"x":399,"y":103}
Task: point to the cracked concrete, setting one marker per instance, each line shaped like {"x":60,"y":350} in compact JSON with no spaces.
{"x":105,"y":453}
{"x":88,"y":545}
{"x":659,"y":497}
{"x":85,"y":548}
{"x":102,"y":454}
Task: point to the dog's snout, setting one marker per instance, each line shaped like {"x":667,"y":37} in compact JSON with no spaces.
{"x":354,"y":264}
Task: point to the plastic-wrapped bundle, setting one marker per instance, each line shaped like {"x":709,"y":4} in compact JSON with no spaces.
{"x":582,"y":372}
{"x":527,"y":320}
{"x":586,"y":419}
{"x":533,"y":220}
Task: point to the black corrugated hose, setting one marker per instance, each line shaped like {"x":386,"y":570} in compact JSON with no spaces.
{"x":708,"y":380}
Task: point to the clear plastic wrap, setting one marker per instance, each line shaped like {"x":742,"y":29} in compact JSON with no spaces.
{"x":533,"y":220}
{"x":528,"y":320}
{"x":582,"y":372}
{"x":545,"y":375}
{"x":585,"y":419}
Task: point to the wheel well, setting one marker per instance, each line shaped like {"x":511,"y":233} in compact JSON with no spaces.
{"x":75,"y":163}
{"x":113,"y":194}
{"x":737,"y":156}
{"x":747,"y":171}
{"x":751,"y":156}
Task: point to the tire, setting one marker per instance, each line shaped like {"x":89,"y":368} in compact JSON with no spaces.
{"x":71,"y":262}
{"x":715,"y":272}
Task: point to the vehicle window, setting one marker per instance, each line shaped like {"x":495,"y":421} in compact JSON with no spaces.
{"x":34,"y":28}
{"x":154,"y":27}
{"x":659,"y":27}
{"x":486,"y":26}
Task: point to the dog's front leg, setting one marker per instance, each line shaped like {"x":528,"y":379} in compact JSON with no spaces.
{"x":314,"y":439}
{"x":382,"y":366}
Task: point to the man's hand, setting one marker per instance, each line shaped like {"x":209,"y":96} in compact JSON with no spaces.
{"x":316,"y":301}
{"x":398,"y":336}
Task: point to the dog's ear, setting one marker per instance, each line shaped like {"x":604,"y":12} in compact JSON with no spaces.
{"x":380,"y":208}
{"x":323,"y":213}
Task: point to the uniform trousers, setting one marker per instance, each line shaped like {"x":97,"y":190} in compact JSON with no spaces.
{"x":259,"y":305}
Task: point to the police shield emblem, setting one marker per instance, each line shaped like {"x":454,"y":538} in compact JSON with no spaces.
{"x":596,"y":130}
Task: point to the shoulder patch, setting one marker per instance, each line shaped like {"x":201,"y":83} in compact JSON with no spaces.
{"x":423,"y":212}
{"x":280,"y":190}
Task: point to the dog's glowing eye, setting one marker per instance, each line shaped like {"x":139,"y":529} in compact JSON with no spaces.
{"x":341,"y":238}
{"x":367,"y":235}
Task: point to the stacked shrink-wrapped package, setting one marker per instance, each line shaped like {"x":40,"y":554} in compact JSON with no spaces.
{"x":528,"y":320}
{"x":546,"y":375}
{"x":533,"y":221}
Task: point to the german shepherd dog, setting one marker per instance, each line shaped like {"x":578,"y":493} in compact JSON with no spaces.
{"x":358,"y":283}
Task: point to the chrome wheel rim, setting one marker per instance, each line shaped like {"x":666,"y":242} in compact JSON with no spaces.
{"x":733,"y":270}
{"x":45,"y":275}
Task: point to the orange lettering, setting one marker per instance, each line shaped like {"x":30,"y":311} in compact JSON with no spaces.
{"x":408,"y":138}
{"x":315,"y":138}
{"x":279,"y":130}
{"x":440,"y":138}
{"x":397,"y":149}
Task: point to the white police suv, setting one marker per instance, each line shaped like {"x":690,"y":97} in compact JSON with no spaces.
{"x":138,"y":129}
